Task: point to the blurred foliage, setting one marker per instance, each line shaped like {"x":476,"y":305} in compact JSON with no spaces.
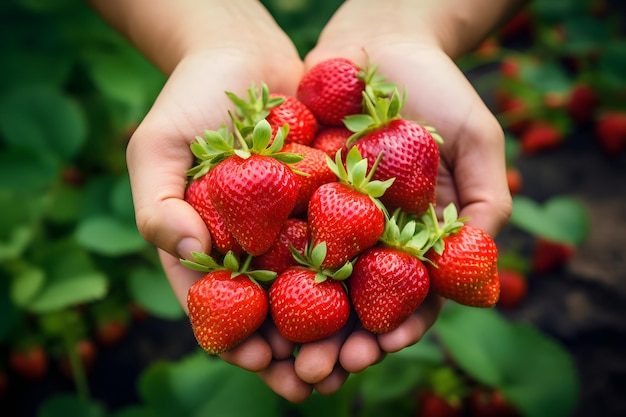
{"x":71,"y":93}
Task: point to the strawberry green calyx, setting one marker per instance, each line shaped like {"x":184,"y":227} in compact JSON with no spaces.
{"x":451,"y":225}
{"x":256,"y":108}
{"x":313,"y":257}
{"x":405,"y":233}
{"x":418,"y":235}
{"x":211,"y":149}
{"x":354,"y":174}
{"x":206,"y":263}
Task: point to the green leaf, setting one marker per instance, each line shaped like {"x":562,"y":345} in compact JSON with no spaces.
{"x":151,"y":289}
{"x":22,"y":170}
{"x":8,"y":311}
{"x":533,"y":371}
{"x":200,"y":385}
{"x":122,"y":200}
{"x":69,"y":405}
{"x":71,"y":278}
{"x":42,"y":120}
{"x":561,"y":219}
{"x":612,"y":64}
{"x":26,"y":284}
{"x":109,"y":236}
{"x":67,"y":204}
{"x":546,"y":77}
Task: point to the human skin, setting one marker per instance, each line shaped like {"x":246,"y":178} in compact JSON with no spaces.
{"x":414,"y":43}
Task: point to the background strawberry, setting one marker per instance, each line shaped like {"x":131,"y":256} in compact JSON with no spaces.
{"x":488,"y":402}
{"x":610,"y":131}
{"x":549,"y":255}
{"x":29,"y":362}
{"x":540,"y":136}
{"x":582,"y":103}
{"x":513,"y":288}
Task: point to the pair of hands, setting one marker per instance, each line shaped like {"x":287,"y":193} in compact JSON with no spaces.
{"x":472,"y":171}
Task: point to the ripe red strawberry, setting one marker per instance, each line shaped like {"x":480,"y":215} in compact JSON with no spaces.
{"x":227,"y":305}
{"x":549,"y":255}
{"x":307,"y":304}
{"x":111,"y":332}
{"x":386,"y":286}
{"x":540,"y":136}
{"x":486,"y":402}
{"x":582,"y":103}
{"x":317,"y":173}
{"x":332,"y":90}
{"x":465,"y":268}
{"x":301,"y":121}
{"x":30,"y":363}
{"x":409,"y":154}
{"x":345,"y":214}
{"x":513,"y":288}
{"x":513,"y":111}
{"x":197,"y":195}
{"x":278,"y":110}
{"x":331,"y":139}
{"x":254,"y":196}
{"x":610,"y":131}
{"x":295,"y":232}
{"x":252,"y":188}
{"x":432,"y":404}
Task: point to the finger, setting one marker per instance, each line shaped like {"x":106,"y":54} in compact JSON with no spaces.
{"x":316,"y":360}
{"x":254,"y":354}
{"x":414,"y":327}
{"x":360,"y":351}
{"x":333,"y":382}
{"x":281,"y":377}
{"x":281,"y":347}
{"x":179,"y":277}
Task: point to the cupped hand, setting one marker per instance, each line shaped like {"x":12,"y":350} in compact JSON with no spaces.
{"x":472,"y":165}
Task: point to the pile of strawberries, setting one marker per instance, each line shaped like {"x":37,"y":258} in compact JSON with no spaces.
{"x":323,"y":204}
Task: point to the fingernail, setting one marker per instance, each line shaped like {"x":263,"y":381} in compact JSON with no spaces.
{"x":188,"y":245}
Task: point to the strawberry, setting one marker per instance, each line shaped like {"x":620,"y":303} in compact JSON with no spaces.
{"x":432,"y":404}
{"x":549,"y":255}
{"x":582,"y":103}
{"x":30,"y":363}
{"x":317,"y":173}
{"x":540,"y":136}
{"x":487,"y":402}
{"x":278,"y":110}
{"x":389,"y":281}
{"x":610,"y":131}
{"x":463,"y":267}
{"x":252,"y":189}
{"x":345,"y":214}
{"x":409,"y":153}
{"x":294,"y":233}
{"x":197,"y":195}
{"x":519,"y":26}
{"x":86,"y":352}
{"x":331,"y":139}
{"x":301,"y":121}
{"x":227,"y":305}
{"x":309,"y":302}
{"x":111,"y":332}
{"x":513,"y":288}
{"x":514,"y":180}
{"x":386,"y":286}
{"x":513,"y":111}
{"x":332,"y":90}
